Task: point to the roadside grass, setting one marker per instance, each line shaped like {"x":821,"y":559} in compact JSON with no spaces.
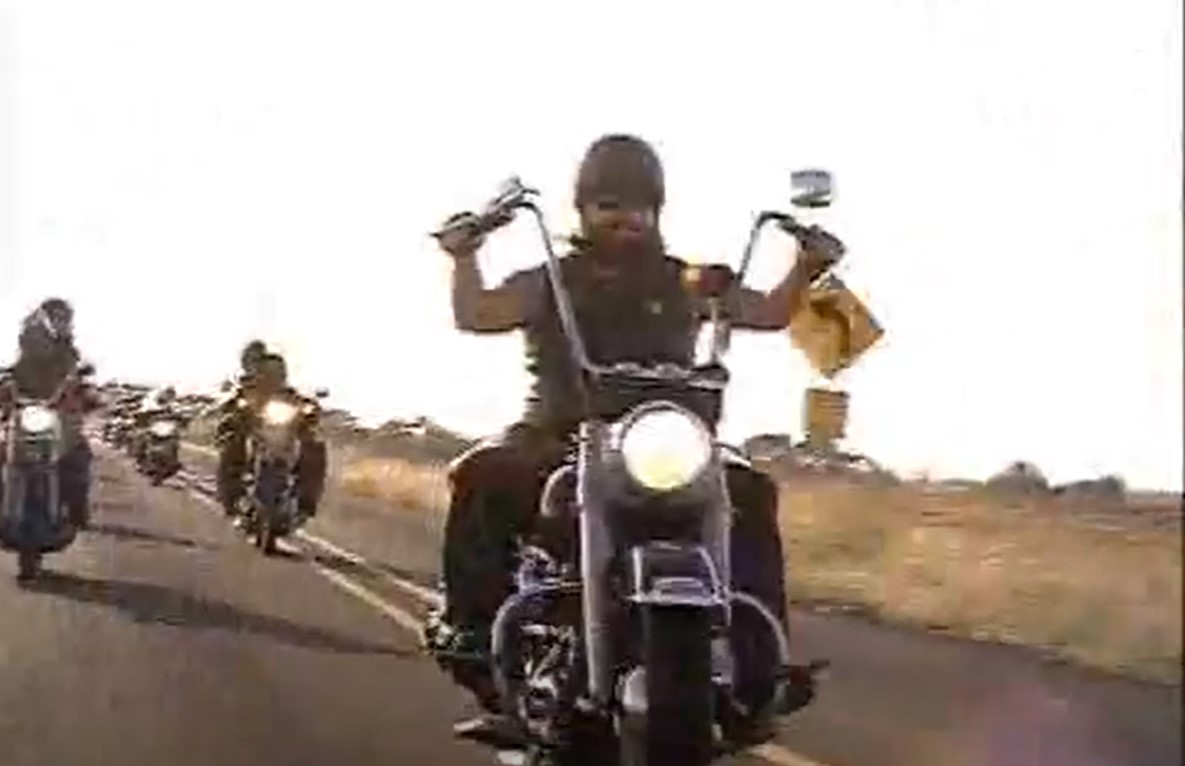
{"x":1098,"y":585}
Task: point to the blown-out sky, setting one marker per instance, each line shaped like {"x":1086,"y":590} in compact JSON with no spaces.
{"x":1008,"y":182}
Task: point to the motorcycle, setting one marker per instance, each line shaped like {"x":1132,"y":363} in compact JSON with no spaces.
{"x":115,"y":430}
{"x":271,"y":510}
{"x":159,"y":452}
{"x":33,"y":517}
{"x":619,"y":642}
{"x":118,"y":427}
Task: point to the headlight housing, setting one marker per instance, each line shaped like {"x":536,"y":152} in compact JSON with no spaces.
{"x":279,"y":413}
{"x":664,"y":447}
{"x":163,"y":428}
{"x":36,"y":419}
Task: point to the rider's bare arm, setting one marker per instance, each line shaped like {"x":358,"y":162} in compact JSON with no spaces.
{"x":477,"y":309}
{"x":757,"y":310}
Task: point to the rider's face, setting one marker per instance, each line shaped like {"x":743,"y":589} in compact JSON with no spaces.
{"x":251,"y":362}
{"x":618,"y":223}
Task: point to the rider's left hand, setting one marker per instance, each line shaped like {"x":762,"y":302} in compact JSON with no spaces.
{"x":819,"y":250}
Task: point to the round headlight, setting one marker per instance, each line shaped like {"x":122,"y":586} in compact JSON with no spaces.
{"x":665,"y":449}
{"x":163,"y":428}
{"x":278,"y":413}
{"x":36,"y":419}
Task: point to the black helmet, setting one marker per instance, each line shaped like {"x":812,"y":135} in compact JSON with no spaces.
{"x":56,"y":317}
{"x":252,"y":353}
{"x":622,"y":166}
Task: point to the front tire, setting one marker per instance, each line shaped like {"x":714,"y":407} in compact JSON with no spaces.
{"x":266,"y":534}
{"x":678,"y":725}
{"x":28,"y":565}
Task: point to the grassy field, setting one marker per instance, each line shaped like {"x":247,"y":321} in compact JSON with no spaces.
{"x":1101,"y":586}
{"x":1094,"y":581}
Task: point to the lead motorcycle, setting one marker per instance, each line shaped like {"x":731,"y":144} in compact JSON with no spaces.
{"x":270,"y":505}
{"x":619,"y":644}
{"x":33,"y":517}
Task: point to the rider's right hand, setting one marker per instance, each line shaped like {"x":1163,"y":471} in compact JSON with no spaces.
{"x":460,"y":241}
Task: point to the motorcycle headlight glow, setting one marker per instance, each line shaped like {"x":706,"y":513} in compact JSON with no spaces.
{"x":665,"y":449}
{"x":36,"y":419}
{"x":278,"y":413}
{"x":163,"y":428}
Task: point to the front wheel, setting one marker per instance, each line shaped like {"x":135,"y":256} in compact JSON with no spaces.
{"x":28,"y":565}
{"x":677,"y":722}
{"x":265,"y":530}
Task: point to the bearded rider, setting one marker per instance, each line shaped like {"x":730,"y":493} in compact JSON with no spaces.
{"x":47,"y":360}
{"x":633,"y":303}
{"x":264,"y":374}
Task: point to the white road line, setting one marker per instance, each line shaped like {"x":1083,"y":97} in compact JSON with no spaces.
{"x":394,"y":613}
{"x":779,"y":755}
{"x":775,"y":754}
{"x":201,"y":449}
{"x":367,"y":596}
{"x":431,"y":597}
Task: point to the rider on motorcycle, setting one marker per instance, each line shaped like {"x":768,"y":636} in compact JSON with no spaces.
{"x":162,"y":403}
{"x":46,"y":360}
{"x":634,"y":303}
{"x":231,"y":432}
{"x":265,"y":375}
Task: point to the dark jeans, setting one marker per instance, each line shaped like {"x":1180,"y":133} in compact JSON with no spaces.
{"x":75,"y":482}
{"x":495,"y":492}
{"x":311,"y":467}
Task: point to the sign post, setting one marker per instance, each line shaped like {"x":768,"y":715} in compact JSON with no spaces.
{"x":833,"y":329}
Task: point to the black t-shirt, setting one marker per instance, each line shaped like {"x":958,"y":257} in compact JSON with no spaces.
{"x":641,"y":312}
{"x":43,"y":366}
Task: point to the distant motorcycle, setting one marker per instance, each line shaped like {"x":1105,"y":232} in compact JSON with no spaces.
{"x":33,"y":518}
{"x":159,"y":452}
{"x":273,"y":447}
{"x":117,"y":429}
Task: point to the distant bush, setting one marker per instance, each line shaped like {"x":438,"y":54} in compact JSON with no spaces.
{"x":1021,"y":477}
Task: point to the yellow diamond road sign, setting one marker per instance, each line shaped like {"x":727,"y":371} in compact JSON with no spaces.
{"x":833,"y":328}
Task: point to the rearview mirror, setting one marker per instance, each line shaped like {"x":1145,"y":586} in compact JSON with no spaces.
{"x":321,"y":393}
{"x":86,"y":369}
{"x":225,"y":386}
{"x":811,"y":188}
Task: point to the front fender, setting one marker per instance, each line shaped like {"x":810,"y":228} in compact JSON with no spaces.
{"x":663,"y":574}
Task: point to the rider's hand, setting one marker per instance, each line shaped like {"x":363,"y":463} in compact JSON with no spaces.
{"x":819,"y":250}
{"x":460,"y":241}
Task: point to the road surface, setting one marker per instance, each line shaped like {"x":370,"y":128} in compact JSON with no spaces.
{"x":162,"y":637}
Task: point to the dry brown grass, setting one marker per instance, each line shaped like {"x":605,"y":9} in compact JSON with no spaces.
{"x":1028,"y":572}
{"x":1032,"y":572}
{"x":410,"y":486}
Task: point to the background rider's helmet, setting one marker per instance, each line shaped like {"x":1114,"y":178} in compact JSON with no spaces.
{"x":168,"y":395}
{"x":56,"y":317}
{"x":621,"y":166}
{"x":252,"y":354}
{"x":46,"y":328}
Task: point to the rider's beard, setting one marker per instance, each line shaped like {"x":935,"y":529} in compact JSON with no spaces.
{"x":612,"y":247}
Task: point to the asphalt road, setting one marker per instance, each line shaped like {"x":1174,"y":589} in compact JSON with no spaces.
{"x":162,"y":637}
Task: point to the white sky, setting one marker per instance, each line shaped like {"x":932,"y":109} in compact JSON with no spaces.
{"x":1008,"y":183}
